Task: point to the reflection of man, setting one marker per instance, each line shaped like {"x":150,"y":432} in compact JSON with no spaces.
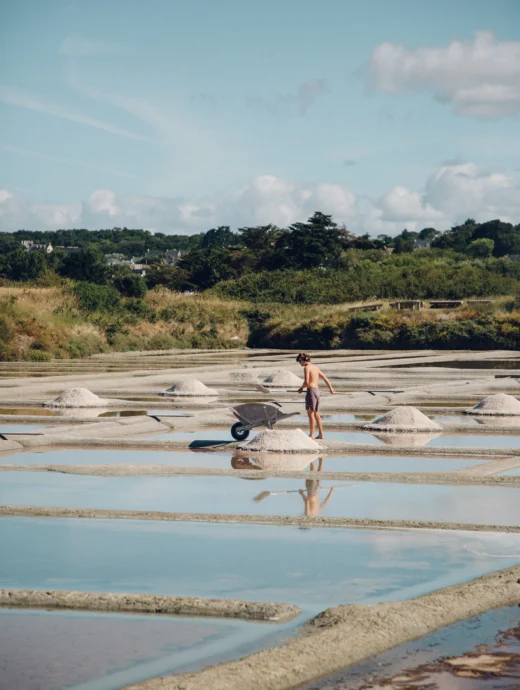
{"x":311,"y":499}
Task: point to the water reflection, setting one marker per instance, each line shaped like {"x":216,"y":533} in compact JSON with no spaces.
{"x":498,"y":421}
{"x":274,"y":461}
{"x":407,"y":440}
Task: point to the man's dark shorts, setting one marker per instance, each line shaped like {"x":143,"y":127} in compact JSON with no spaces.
{"x":312,"y":399}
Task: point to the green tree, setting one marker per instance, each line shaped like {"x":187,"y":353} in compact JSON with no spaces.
{"x":130,"y":285}
{"x":317,"y":243}
{"x":219,"y":237}
{"x":89,"y":265}
{"x":481,"y":249}
{"x":404,"y":243}
{"x":505,"y":236}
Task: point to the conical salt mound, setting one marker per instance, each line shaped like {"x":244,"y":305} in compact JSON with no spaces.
{"x":190,"y":387}
{"x":77,"y":397}
{"x":283,"y":378}
{"x":403,"y":419}
{"x":498,"y":405}
{"x":271,"y":441}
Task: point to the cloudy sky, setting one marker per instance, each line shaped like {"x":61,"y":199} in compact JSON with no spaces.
{"x":180,"y":116}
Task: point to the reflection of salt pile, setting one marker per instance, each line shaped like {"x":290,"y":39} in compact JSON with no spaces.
{"x":403,"y":420}
{"x":499,"y":405}
{"x":407,"y":440}
{"x":76,"y":397}
{"x":290,"y":441}
{"x":283,"y":379}
{"x":489,"y":420}
{"x":189,"y":388}
{"x":284,"y":461}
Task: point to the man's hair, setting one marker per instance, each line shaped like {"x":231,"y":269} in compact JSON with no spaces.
{"x":303,"y":357}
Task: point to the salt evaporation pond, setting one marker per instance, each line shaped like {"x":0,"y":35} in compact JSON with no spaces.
{"x":54,"y":650}
{"x":225,"y":460}
{"x":313,"y":568}
{"x":453,"y":640}
{"x":272,"y":496}
{"x":480,"y":441}
{"x":19,"y":428}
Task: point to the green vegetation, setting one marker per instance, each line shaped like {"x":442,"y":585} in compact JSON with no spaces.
{"x":264,"y":286}
{"x":81,"y":319}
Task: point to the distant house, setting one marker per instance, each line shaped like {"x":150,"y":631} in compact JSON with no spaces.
{"x":514,"y":257}
{"x":139,"y":268}
{"x":31,"y":246}
{"x":168,"y":256}
{"x":69,"y":250}
{"x":422,"y":244}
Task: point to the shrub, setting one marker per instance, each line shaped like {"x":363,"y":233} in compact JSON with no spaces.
{"x":36,"y":356}
{"x":6,"y":332}
{"x":131,"y":286}
{"x":94,"y":297}
{"x":162,"y":341}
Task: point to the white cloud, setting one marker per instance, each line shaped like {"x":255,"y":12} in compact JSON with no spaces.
{"x":22,"y":99}
{"x":450,"y":194}
{"x":479,"y":78}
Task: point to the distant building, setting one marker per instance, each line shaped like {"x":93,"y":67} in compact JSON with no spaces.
{"x":514,"y":257}
{"x":168,"y":257}
{"x":139,"y":268}
{"x":422,"y":244}
{"x":31,"y":246}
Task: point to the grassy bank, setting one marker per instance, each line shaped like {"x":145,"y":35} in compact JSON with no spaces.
{"x":71,"y":321}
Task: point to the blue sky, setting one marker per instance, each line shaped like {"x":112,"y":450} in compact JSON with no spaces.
{"x":181,"y":116}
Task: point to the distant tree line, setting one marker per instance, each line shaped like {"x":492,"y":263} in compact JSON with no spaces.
{"x":304,"y":262}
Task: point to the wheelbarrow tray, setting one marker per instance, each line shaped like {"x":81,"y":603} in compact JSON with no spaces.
{"x":267,"y":414}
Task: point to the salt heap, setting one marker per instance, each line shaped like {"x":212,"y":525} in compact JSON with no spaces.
{"x":283,"y":379}
{"x":287,"y":441}
{"x":189,"y":387}
{"x":77,"y":397}
{"x":402,"y":419}
{"x":498,"y":405}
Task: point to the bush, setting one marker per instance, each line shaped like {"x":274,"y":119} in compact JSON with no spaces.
{"x":36,"y":356}
{"x":131,"y":286}
{"x":94,"y":297}
{"x":6,"y":332}
{"x":162,"y":341}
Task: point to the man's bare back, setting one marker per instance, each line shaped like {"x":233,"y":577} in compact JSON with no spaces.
{"x":312,"y":399}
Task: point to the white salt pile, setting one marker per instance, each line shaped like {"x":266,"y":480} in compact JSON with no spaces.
{"x":283,"y":379}
{"x":290,"y":441}
{"x":498,"y":405}
{"x":402,"y":419}
{"x":77,"y":397}
{"x":189,"y":387}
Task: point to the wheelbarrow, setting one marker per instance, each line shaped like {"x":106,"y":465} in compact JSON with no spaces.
{"x":252,"y":415}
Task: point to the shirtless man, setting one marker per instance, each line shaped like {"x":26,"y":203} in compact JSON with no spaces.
{"x":312,"y":398}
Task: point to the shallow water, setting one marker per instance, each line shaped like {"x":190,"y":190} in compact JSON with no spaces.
{"x":484,"y":441}
{"x":225,"y":460}
{"x":271,"y":496}
{"x":468,"y":635}
{"x":465,"y":364}
{"x":313,"y":568}
{"x":19,"y":428}
{"x":54,"y":650}
{"x":514,"y":473}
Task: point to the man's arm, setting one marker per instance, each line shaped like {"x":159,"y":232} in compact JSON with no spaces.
{"x":322,"y":376}
{"x":305,"y":383}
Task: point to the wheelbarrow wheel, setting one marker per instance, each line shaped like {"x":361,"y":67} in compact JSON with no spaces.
{"x":238,"y":432}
